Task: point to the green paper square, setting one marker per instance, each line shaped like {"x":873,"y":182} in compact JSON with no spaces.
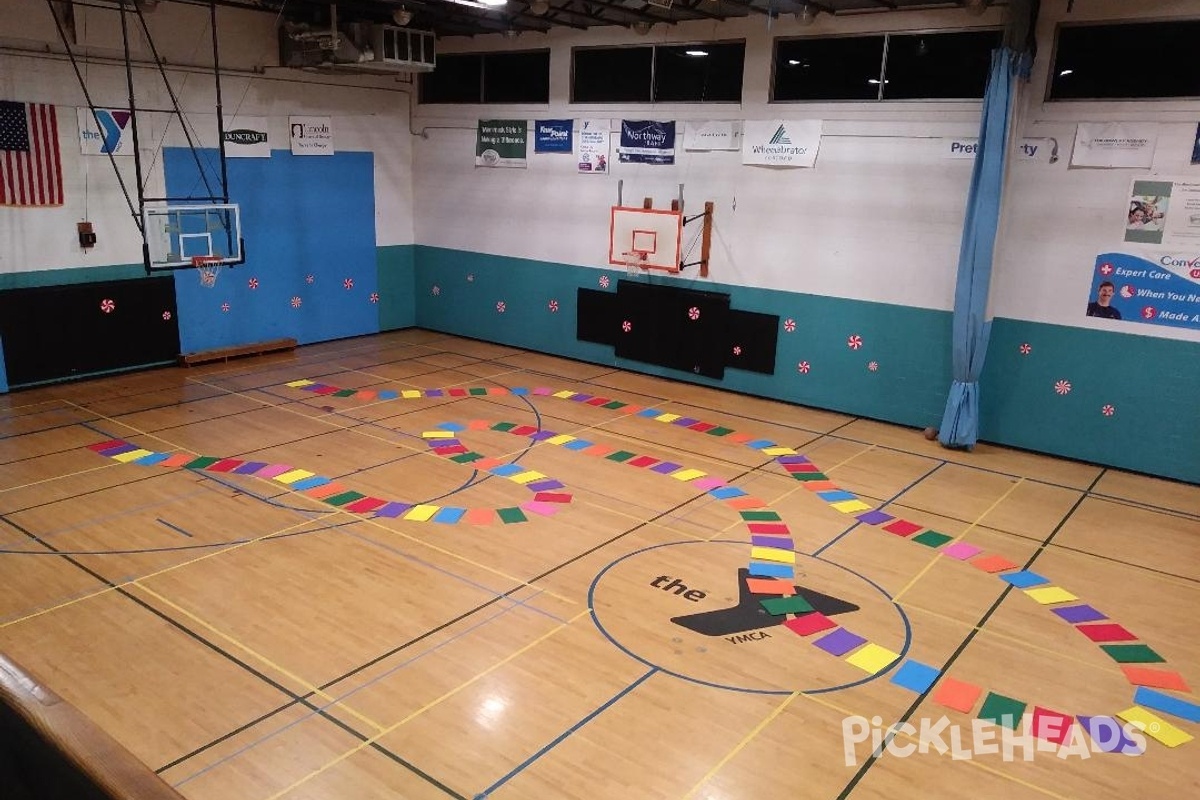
{"x":504,"y":426}
{"x":719,"y":431}
{"x":510,"y":515}
{"x":1131,"y":653}
{"x":614,"y":405}
{"x":1002,"y":710}
{"x":932,"y":538}
{"x":466,"y":458}
{"x":345,"y":393}
{"x":203,"y":462}
{"x":620,"y":455}
{"x":760,"y":516}
{"x":810,"y":476}
{"x":344,"y":498}
{"x":787,"y":605}
{"x":477,"y":390}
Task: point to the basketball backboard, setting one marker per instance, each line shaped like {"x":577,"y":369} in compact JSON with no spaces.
{"x":177,"y":235}
{"x":656,"y":233}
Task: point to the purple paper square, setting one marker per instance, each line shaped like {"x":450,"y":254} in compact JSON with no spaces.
{"x":118,"y":449}
{"x":433,"y":393}
{"x":685,"y":422}
{"x":1109,"y":736}
{"x":874,"y":517}
{"x":545,"y":486}
{"x":538,"y":436}
{"x":579,"y":398}
{"x":1077,"y":614}
{"x":392,"y":509}
{"x":249,"y":468}
{"x":792,"y":460}
{"x":773,"y":541}
{"x":840,"y":642}
{"x":665,"y":467}
{"x":438,"y":443}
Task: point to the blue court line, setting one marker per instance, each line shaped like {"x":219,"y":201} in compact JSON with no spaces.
{"x":553,"y":743}
{"x":891,"y":499}
{"x":351,"y":693}
{"x":175,"y":528}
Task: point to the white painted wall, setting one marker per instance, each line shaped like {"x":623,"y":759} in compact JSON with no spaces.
{"x":879,"y":218}
{"x":369,"y":114}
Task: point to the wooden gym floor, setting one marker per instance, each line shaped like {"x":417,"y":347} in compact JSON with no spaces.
{"x":376,"y":606}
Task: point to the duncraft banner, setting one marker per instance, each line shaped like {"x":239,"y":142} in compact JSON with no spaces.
{"x":646,"y":142}
{"x":793,"y":143}
{"x":1163,"y":213}
{"x":1115,"y":144}
{"x":501,"y":143}
{"x":246,"y":137}
{"x":593,"y":147}
{"x":552,"y":136}
{"x":1153,"y":290}
{"x":113,"y":136}
{"x":712,"y":135}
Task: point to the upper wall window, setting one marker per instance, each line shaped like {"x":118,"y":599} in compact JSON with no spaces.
{"x":908,"y":66}
{"x":489,"y":78}
{"x":1129,"y":61}
{"x":709,"y":72}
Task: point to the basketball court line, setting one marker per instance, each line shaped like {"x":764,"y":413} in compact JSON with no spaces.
{"x":970,"y":637}
{"x":881,"y":504}
{"x":413,"y":715}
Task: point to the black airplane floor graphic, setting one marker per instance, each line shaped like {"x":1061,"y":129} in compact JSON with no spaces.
{"x":749,"y":615}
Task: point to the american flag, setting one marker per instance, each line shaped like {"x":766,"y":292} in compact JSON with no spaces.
{"x":30,"y":165}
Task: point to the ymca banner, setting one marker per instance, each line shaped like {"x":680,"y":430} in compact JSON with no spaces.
{"x":1114,"y":144}
{"x":501,"y":143}
{"x":1153,"y":290}
{"x":781,"y":144}
{"x":311,"y":136}
{"x":552,"y":135}
{"x":114,"y":135}
{"x":646,"y":142}
{"x":246,"y":137}
{"x":712,"y":135}
{"x":593,"y":147}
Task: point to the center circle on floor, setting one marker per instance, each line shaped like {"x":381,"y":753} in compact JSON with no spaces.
{"x":683,"y":608}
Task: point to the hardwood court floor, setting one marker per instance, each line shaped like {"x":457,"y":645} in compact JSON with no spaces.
{"x":280,"y":632}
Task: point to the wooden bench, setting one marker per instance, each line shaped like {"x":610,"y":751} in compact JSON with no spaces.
{"x":236,"y":351}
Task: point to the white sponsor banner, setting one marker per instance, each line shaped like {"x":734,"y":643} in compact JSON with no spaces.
{"x":712,"y":135}
{"x":778,"y":143}
{"x":114,"y":134}
{"x":1163,"y":212}
{"x":311,"y":136}
{"x":246,"y":137}
{"x":592,"y":146}
{"x":1115,"y":144}
{"x":1022,"y":149}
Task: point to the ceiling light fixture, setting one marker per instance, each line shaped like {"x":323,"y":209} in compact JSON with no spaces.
{"x":806,"y":15}
{"x":539,"y":7}
{"x":402,"y":16}
{"x":484,"y":4}
{"x":696,"y":53}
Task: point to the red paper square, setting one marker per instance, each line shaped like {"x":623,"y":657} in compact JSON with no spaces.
{"x":1106,"y":632}
{"x":902,"y":527}
{"x":1051,"y":725}
{"x":808,"y":624}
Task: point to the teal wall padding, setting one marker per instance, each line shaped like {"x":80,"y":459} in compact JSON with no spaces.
{"x":394,"y":265}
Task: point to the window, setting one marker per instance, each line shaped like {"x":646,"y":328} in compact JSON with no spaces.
{"x":489,"y":78}
{"x":707,"y":72}
{"x":908,"y":66}
{"x":1129,"y":61}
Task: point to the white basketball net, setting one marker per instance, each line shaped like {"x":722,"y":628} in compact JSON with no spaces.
{"x":208,"y":272}
{"x":635,"y":261}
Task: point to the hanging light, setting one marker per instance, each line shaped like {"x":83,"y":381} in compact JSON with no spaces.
{"x":806,"y":15}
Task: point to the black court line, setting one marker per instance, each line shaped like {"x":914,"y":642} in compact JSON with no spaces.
{"x":970,"y":637}
{"x":246,"y":667}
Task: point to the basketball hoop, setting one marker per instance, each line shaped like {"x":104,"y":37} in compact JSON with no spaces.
{"x":207,"y":266}
{"x":635,"y":261}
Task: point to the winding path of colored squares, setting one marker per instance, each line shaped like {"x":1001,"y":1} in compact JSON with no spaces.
{"x":772,"y":551}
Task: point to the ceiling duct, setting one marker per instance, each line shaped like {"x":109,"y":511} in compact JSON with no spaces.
{"x":355,"y":47}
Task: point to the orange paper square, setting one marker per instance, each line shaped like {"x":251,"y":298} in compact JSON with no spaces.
{"x":958,"y":695}
{"x":770,"y":586}
{"x":992,"y":563}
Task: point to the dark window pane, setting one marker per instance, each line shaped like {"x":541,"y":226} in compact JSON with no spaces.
{"x":844,"y":68}
{"x":1126,"y":61}
{"x":937,"y":66}
{"x":455,"y":80}
{"x":516,"y":77}
{"x":611,"y":74}
{"x":713,"y":77}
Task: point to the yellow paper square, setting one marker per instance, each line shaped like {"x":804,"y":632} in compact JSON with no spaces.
{"x":564,"y":394}
{"x":773,"y":554}
{"x":562,"y":438}
{"x":132,"y":455}
{"x":294,"y":475}
{"x":1155,"y":726}
{"x":688,"y":474}
{"x":1050,"y":594}
{"x":779,"y":451}
{"x":667,"y":417}
{"x":871,"y":658}
{"x":410,"y":394}
{"x":299,"y":383}
{"x":850,"y":506}
{"x":437,"y":434}
{"x":422,"y":513}
{"x":526,"y":477}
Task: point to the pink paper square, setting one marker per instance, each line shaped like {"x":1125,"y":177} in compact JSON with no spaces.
{"x":708,"y":482}
{"x":538,"y":507}
{"x":961,"y":550}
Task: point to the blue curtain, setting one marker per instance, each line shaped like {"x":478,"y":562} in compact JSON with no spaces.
{"x":960,"y":423}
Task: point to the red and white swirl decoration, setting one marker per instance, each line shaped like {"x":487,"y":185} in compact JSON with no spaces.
{"x":348,"y":284}
{"x":500,"y":306}
{"x":374,"y":297}
{"x":107,"y":306}
{"x":693,"y":313}
{"x":804,"y":367}
{"x":1108,"y":410}
{"x":553,"y":306}
{"x":225,"y":307}
{"x":627,"y":326}
{"x":1026,"y":349}
{"x":296,"y":301}
{"x":873,"y":366}
{"x":854,"y":341}
{"x":252,"y":283}
{"x":1063,"y":387}
{"x":789,"y":325}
